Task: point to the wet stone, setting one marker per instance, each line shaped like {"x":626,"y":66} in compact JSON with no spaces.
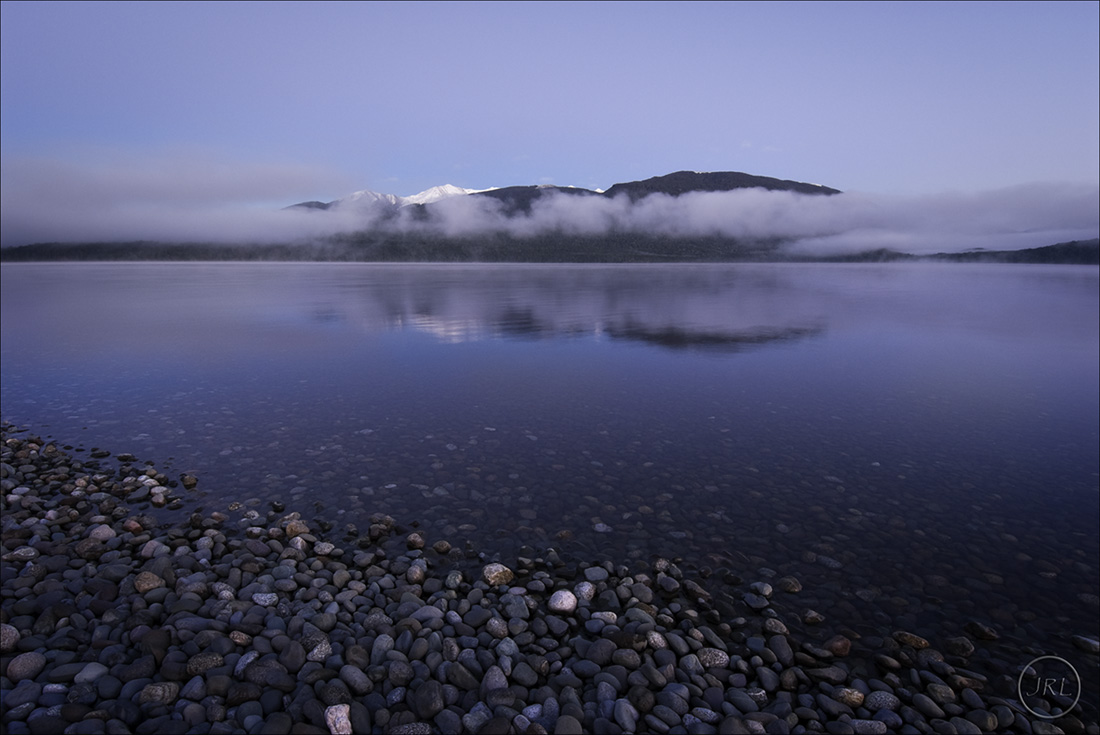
{"x":831,"y":674}
{"x":265,"y":599}
{"x":202,"y":662}
{"x":755,"y":601}
{"x":713,"y":658}
{"x":781,"y":647}
{"x":790,"y":585}
{"x":910,"y":639}
{"x":293,"y":657}
{"x":497,"y":574}
{"x":356,"y":680}
{"x":428,"y":699}
{"x":983,"y":720}
{"x":768,"y":679}
{"x":338,"y":720}
{"x":880,"y":700}
{"x":627,"y":658}
{"x":160,"y":693}
{"x":959,"y":646}
{"x":26,"y":692}
{"x":460,"y":676}
{"x":586,"y":669}
{"x":1088,"y":645}
{"x":831,"y":707}
{"x":240,"y":692}
{"x":850,"y":697}
{"x":26,"y":666}
{"x":762,"y":588}
{"x":812,"y":617}
{"x":981,"y":631}
{"x":838,"y":645}
{"x":320,"y":652}
{"x":964,"y":726}
{"x":601,"y":651}
{"x":568,"y":725}
{"x":334,"y":691}
{"x":562,"y":601}
{"x":927,"y":707}
{"x":9,"y":637}
{"x":941,"y":693}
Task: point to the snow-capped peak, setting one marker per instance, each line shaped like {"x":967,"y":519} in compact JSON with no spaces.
{"x":434,"y":194}
{"x":367,"y":198}
{"x":372,"y":199}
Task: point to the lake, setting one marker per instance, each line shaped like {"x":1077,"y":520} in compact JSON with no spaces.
{"x":916,"y":443}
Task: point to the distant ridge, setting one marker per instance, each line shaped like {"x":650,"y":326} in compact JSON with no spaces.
{"x":1075,"y":252}
{"x":518,"y":199}
{"x":683,"y":182}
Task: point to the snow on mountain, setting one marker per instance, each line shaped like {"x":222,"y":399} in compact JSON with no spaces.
{"x":373,"y":199}
{"x":435,"y":194}
{"x":366,"y":199}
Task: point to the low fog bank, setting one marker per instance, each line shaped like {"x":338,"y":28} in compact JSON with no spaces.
{"x":1015,"y":218}
{"x":1007,"y":219}
{"x":202,"y":203}
{"x":175,"y":196}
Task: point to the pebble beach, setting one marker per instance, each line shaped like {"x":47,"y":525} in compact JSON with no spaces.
{"x":260,"y":620}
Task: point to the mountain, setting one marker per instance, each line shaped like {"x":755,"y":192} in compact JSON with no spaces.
{"x":436,"y":193}
{"x":366,"y":200}
{"x":374,"y":200}
{"x":518,"y":199}
{"x":683,"y":182}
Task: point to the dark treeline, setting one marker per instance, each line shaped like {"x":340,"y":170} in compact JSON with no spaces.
{"x":412,"y":247}
{"x":1076,"y":252}
{"x":500,"y":248}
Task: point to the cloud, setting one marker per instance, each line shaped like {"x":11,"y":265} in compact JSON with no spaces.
{"x":1017,"y":217}
{"x":170,"y":196}
{"x":196,"y":197}
{"x":1012,"y":218}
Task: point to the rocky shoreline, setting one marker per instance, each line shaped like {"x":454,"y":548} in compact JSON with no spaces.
{"x":257,"y":622}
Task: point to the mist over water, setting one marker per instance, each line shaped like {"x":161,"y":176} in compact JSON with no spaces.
{"x":195,"y":199}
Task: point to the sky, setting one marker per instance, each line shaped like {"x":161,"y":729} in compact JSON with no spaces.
{"x":146,"y":120}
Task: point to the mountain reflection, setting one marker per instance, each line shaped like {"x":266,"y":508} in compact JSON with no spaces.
{"x":718,"y":341}
{"x":676,"y":308}
{"x":519,"y":323}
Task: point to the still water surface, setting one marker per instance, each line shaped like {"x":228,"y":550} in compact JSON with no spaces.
{"x":933,"y":429}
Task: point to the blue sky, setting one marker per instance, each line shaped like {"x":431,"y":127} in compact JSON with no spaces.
{"x":176,"y":105}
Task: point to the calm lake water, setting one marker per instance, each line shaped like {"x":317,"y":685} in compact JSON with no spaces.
{"x":916,"y":443}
